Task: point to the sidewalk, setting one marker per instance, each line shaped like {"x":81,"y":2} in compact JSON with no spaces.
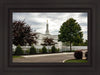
{"x":46,"y":58}
{"x":53,"y":54}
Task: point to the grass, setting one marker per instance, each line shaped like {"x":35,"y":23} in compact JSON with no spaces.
{"x":16,"y":56}
{"x":76,"y":61}
{"x":70,"y":51}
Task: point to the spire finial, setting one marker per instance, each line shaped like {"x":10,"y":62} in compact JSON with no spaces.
{"x":47,"y":21}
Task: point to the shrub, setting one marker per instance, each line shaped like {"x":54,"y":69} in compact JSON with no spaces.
{"x":18,"y":50}
{"x":86,"y":55}
{"x":57,"y":50}
{"x":40,"y":50}
{"x":32,"y":50}
{"x":50,"y":51}
{"x":27,"y":51}
{"x":53,"y":49}
{"x":78,"y":54}
{"x":44,"y":50}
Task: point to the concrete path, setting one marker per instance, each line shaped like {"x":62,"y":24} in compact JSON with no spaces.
{"x":45,"y":58}
{"x":55,"y":57}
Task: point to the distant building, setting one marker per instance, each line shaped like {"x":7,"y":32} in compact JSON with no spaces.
{"x":41,"y":37}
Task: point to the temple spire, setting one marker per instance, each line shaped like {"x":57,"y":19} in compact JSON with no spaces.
{"x":47,"y":29}
{"x":47,"y":21}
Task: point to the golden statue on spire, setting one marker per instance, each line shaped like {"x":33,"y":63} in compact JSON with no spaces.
{"x":47,"y":21}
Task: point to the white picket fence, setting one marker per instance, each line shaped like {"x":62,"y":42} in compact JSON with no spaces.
{"x":67,"y":48}
{"x":64,"y":48}
{"x":28,"y":47}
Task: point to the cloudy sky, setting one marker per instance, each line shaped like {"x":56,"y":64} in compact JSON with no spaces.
{"x":38,"y":20}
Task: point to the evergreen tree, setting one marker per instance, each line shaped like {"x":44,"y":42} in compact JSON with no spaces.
{"x":44,"y":50}
{"x":53,"y":49}
{"x":18,"y":50}
{"x":32,"y":50}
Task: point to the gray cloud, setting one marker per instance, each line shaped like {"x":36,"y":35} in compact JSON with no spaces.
{"x":83,"y":24}
{"x":85,"y":32}
{"x":55,"y":32}
{"x":33,"y":23}
{"x":37,"y":21}
{"x":83,"y":15}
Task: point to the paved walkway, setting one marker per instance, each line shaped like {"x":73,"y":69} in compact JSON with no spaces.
{"x":42,"y":58}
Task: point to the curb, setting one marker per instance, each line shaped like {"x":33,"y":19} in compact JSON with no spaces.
{"x":64,"y":60}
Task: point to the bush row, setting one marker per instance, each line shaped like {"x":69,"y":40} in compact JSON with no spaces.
{"x":32,"y":50}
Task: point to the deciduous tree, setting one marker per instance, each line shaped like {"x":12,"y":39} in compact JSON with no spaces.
{"x":70,"y":31}
{"x":48,"y":41}
{"x":21,"y":34}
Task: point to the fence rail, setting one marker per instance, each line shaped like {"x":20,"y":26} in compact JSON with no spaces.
{"x":64,"y":48}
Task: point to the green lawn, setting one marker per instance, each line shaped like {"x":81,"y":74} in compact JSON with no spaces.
{"x":76,"y":61}
{"x":16,"y":56}
{"x":70,"y":51}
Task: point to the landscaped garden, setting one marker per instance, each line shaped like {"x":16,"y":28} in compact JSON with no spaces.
{"x":76,"y":61}
{"x":32,"y":50}
{"x":15,"y":56}
{"x":78,"y":58}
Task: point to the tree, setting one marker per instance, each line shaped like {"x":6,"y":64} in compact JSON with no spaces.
{"x":19,"y":50}
{"x":21,"y":33}
{"x":44,"y":50}
{"x":70,"y":31}
{"x":86,"y":42}
{"x":48,"y":42}
{"x":66,"y":44}
{"x":32,"y":50}
{"x":53,"y":49}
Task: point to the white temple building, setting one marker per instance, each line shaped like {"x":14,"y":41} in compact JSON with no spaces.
{"x":41,"y":37}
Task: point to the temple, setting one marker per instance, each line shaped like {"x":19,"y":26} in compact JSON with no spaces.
{"x":41,"y":37}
